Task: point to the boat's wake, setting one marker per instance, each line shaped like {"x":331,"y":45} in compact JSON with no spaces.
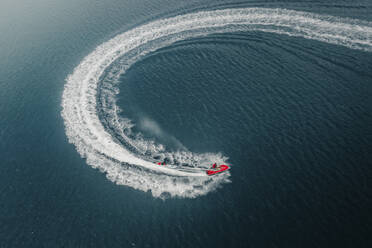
{"x":106,"y":139}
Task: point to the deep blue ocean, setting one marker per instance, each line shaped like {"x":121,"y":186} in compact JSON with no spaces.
{"x":292,"y":115}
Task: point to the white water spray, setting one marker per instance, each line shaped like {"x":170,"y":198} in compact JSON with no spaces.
{"x":92,"y":88}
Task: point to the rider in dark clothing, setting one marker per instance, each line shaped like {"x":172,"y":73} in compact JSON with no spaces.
{"x":165,"y":161}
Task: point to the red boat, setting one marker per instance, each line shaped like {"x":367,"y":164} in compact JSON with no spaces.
{"x":217,"y":169}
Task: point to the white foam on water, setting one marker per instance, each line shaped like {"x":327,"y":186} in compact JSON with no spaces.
{"x":91,"y":115}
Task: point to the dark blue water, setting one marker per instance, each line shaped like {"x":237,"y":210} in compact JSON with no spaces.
{"x":293,"y":116}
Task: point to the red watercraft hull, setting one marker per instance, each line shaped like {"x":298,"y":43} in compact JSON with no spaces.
{"x":219,"y":170}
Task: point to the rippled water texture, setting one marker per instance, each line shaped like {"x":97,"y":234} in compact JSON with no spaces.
{"x":92,"y":93}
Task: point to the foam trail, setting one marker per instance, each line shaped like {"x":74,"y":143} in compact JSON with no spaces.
{"x":110,"y":145}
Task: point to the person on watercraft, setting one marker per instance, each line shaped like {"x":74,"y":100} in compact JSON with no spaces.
{"x":165,"y":161}
{"x":216,"y":169}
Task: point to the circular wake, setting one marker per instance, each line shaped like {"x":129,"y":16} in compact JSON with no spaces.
{"x":106,"y":139}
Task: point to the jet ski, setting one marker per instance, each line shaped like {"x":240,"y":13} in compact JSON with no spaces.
{"x":215,"y":169}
